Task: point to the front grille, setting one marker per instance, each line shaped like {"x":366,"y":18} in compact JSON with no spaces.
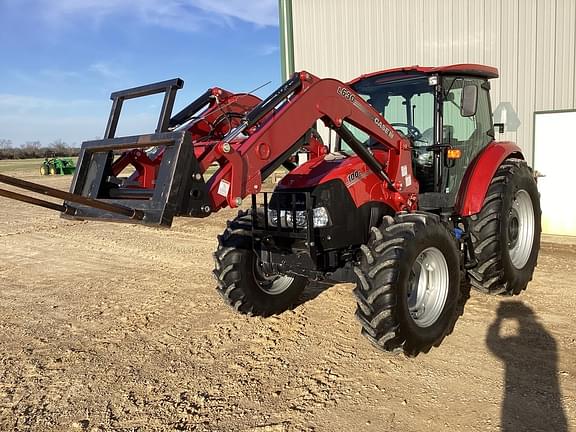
{"x":294,"y":212}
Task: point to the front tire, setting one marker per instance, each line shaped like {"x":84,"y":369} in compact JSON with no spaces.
{"x":409,"y":293}
{"x":241,"y":282}
{"x":506,"y":232}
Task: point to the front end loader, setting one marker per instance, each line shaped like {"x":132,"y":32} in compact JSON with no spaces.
{"x":416,"y":203}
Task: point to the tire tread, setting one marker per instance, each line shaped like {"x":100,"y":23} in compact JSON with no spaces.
{"x":489,"y":275}
{"x":377,"y":300}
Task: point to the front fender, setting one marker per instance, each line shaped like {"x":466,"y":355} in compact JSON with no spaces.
{"x":480,"y":173}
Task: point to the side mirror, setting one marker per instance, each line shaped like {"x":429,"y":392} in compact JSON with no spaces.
{"x":469,"y":100}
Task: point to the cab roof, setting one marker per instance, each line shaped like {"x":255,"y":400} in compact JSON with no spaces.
{"x":477,"y":70}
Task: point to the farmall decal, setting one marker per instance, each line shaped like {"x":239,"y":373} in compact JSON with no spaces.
{"x":346,"y":94}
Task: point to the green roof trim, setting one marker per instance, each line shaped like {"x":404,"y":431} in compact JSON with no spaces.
{"x":286,"y":38}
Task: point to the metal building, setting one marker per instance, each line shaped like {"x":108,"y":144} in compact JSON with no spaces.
{"x":531,"y":42}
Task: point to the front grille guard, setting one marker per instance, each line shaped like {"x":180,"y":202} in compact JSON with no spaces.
{"x":288,"y":202}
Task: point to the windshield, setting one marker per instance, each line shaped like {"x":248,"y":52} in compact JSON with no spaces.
{"x":407,"y":103}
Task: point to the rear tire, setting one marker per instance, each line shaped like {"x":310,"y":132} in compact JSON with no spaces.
{"x":506,"y":232}
{"x":409,"y":293}
{"x":240,"y":279}
{"x":44,"y":170}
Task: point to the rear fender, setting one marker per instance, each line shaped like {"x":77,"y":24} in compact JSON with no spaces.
{"x":480,"y":173}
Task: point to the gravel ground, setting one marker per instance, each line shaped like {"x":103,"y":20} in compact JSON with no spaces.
{"x":117,"y":327}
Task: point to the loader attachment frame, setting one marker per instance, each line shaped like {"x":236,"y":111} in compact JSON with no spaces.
{"x":98,"y":193}
{"x":169,"y":88}
{"x":177,"y":190}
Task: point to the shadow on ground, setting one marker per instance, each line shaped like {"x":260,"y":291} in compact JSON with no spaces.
{"x":532,"y":398}
{"x":313,"y":290}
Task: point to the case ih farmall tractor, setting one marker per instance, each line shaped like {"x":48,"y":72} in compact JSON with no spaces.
{"x":416,"y":203}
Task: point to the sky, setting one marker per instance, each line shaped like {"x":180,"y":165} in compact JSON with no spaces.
{"x":61,"y":59}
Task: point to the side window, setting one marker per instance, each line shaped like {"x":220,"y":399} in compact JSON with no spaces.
{"x":470,"y":134}
{"x":484,"y":115}
{"x":423,"y":118}
{"x":456,"y":127}
{"x":423,"y":111}
{"x":395,"y":111}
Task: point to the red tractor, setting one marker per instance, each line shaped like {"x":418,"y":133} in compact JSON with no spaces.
{"x":415,"y":203}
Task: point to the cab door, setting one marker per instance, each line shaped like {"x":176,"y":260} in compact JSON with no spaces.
{"x":468,"y":133}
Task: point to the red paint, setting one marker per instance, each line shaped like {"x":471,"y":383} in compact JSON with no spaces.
{"x":462,"y":69}
{"x":146,"y":169}
{"x":213,"y":121}
{"x":315,"y":99}
{"x":479,"y":175}
{"x":223,"y":114}
{"x":364,"y":186}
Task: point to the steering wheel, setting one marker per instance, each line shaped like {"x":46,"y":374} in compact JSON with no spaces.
{"x":412,"y":131}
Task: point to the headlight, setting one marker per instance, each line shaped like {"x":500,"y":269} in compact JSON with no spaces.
{"x":300,"y":219}
{"x":320,"y":218}
{"x":272,"y":217}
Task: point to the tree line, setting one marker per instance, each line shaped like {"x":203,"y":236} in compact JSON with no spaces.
{"x":34,"y":150}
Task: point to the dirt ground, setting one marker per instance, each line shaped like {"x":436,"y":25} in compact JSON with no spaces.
{"x":117,"y":327}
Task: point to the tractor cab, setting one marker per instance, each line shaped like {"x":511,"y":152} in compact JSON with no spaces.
{"x":444,"y":112}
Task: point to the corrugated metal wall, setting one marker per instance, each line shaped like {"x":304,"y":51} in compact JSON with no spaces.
{"x":531,"y":42}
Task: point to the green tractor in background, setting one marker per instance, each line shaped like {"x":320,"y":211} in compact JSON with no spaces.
{"x":53,"y":165}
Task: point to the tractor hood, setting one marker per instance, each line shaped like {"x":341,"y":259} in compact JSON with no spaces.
{"x":362,"y":184}
{"x":321,"y":170}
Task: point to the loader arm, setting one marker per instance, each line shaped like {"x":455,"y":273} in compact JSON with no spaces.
{"x":276,"y":126}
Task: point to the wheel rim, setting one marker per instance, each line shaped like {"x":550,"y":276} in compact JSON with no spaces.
{"x":428,"y":287}
{"x":272,"y":285}
{"x":521,"y":229}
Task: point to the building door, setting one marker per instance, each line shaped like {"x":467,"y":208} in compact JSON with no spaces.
{"x":555,"y":158}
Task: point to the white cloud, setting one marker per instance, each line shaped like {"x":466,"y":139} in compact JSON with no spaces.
{"x":184,"y":15}
{"x":261,"y":12}
{"x":24,"y":104}
{"x":71,"y":129}
{"x":104,"y":69}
